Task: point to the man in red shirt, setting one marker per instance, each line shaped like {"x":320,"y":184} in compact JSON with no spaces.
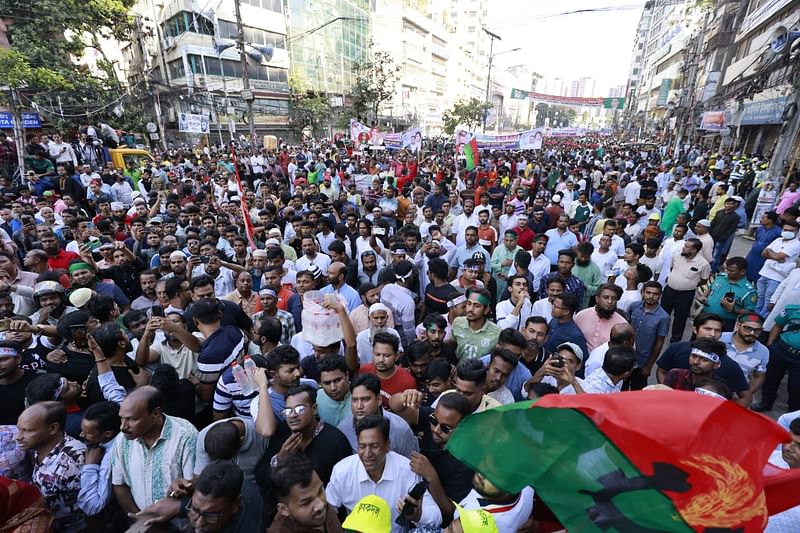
{"x":393,"y":379}
{"x":57,"y":259}
{"x":524,"y":233}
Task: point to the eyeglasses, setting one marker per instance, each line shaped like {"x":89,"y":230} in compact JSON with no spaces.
{"x":435,"y":422}
{"x":749,"y":329}
{"x":208,"y":517}
{"x":297,"y":410}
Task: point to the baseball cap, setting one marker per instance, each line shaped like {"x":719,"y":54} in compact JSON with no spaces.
{"x":370,"y":515}
{"x":572,"y":347}
{"x":476,"y":520}
{"x":654,"y":216}
{"x":479,"y":257}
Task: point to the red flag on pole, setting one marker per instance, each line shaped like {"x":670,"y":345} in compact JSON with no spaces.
{"x":248,"y":223}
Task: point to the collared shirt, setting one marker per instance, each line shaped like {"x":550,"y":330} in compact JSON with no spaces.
{"x":287,"y":524}
{"x":595,"y":330}
{"x":752,"y":359}
{"x":572,"y":285}
{"x":789,"y":320}
{"x":95,"y":490}
{"x":330,"y":410}
{"x":567,"y":332}
{"x":556,"y":242}
{"x":598,"y":382}
{"x":143,"y":302}
{"x":472,"y":344}
{"x":364,"y":345}
{"x":686,"y":274}
{"x":287,"y":324}
{"x":347,"y":292}
{"x":250,"y":305}
{"x":648,"y":325}
{"x":350,"y":482}
{"x":321,"y":260}
{"x":403,"y":441}
{"x":149,"y":471}
{"x":507,"y":516}
{"x":745,"y":296}
{"x":58,"y":478}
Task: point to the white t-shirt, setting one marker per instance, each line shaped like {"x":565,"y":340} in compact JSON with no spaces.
{"x":604,"y":261}
{"x":778,"y":271}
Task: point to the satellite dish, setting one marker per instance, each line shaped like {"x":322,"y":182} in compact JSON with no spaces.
{"x":781,"y":41}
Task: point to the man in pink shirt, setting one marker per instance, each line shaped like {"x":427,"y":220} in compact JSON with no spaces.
{"x":596,"y":322}
{"x":788,"y":198}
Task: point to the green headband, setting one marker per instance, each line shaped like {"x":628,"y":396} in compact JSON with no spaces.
{"x":80,"y":265}
{"x":480,"y":298}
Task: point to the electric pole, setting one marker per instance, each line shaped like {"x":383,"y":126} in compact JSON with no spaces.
{"x":492,"y":37}
{"x":247,"y":94}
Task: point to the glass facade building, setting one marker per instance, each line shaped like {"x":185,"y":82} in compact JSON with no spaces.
{"x":325,"y":57}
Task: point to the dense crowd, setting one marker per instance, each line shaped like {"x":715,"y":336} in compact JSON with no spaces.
{"x":239,"y":339}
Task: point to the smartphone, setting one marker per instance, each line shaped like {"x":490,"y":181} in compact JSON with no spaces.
{"x":558,"y":361}
{"x":94,"y":240}
{"x":729,"y":296}
{"x":379,"y":231}
{"x":416,"y":492}
{"x":204,"y":258}
{"x":157,"y":310}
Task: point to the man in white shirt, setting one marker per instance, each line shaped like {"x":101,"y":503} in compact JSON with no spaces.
{"x":310,"y":257}
{"x":62,"y":152}
{"x":617,"y":243}
{"x":377,"y":470}
{"x":466,"y":219}
{"x":781,"y":257}
{"x":632,"y":192}
{"x":514,"y":312}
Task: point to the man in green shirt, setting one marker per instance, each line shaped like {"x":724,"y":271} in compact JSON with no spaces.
{"x":731,"y":293}
{"x":475,"y":334}
{"x":587,"y":271}
{"x":503,"y":258}
{"x":333,"y":398}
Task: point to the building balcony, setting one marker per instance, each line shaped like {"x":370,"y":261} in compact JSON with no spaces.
{"x":719,"y":39}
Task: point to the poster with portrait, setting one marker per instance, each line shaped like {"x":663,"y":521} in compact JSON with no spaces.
{"x":531,"y":139}
{"x":412,"y":140}
{"x":193,"y":123}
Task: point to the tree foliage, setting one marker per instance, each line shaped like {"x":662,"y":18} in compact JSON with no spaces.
{"x":51,"y":35}
{"x":17,"y":73}
{"x":467,"y":113}
{"x":307,"y":109}
{"x":376,"y":78}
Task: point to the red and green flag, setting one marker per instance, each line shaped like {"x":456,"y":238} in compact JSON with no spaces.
{"x":649,"y":461}
{"x":471,"y":153}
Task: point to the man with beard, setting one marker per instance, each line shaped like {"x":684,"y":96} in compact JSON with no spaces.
{"x":302,"y":507}
{"x":503,"y":259}
{"x":83,"y":276}
{"x":468,"y":250}
{"x":539,"y":223}
{"x":310,"y":256}
{"x":704,"y":360}
{"x":743,"y":347}
{"x":177,"y":347}
{"x":385,"y":354}
{"x":467,"y":219}
{"x":365,"y":399}
{"x":370,"y":294}
{"x":587,"y":271}
{"x":337,"y":273}
{"x":147,"y":282}
{"x":269,"y":303}
{"x":435,"y":329}
{"x":124,"y":272}
{"x":534,"y":355}
{"x":370,"y":268}
{"x":178,"y":266}
{"x":596,"y":322}
{"x":450,"y":480}
{"x":57,"y":259}
{"x":474,"y":334}
{"x":50,"y":298}
{"x":573,"y":285}
{"x":378,"y":323}
{"x":13,"y":380}
{"x":687,"y":271}
{"x":334,"y":400}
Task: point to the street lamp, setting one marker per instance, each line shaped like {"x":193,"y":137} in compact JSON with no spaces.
{"x":492,"y":36}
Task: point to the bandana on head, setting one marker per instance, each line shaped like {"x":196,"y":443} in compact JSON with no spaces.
{"x":706,"y":355}
{"x":268,"y":292}
{"x":460,"y":299}
{"x":480,"y":298}
{"x":7,"y":351}
{"x":80,"y":265}
{"x":751,"y":317}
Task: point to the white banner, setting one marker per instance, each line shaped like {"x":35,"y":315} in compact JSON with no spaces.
{"x":531,"y":139}
{"x":192,"y":123}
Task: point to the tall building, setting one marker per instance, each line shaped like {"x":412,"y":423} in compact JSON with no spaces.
{"x":326,"y":39}
{"x":174,"y":49}
{"x":638,"y":61}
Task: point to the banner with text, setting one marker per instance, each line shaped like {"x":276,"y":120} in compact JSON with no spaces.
{"x":410,"y":140}
{"x":192,"y":123}
{"x":579,"y":101}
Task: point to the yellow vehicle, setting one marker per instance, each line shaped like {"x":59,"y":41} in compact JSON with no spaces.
{"x":122,"y":156}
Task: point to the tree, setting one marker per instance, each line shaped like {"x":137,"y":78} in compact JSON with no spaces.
{"x":53,"y":34}
{"x":17,"y":73}
{"x":467,"y":113}
{"x":376,"y":78}
{"x":307,"y":109}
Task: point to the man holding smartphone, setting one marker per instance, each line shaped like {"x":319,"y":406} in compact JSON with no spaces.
{"x":732,"y":295}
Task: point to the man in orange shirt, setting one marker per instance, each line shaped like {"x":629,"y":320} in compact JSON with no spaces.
{"x":487,"y":235}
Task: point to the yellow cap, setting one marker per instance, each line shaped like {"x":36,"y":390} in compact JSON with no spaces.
{"x":476,"y":520}
{"x":370,"y":515}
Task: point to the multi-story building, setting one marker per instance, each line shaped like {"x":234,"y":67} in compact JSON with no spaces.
{"x":638,"y":63}
{"x":174,"y":48}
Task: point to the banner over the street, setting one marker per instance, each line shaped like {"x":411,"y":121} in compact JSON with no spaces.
{"x":579,"y":101}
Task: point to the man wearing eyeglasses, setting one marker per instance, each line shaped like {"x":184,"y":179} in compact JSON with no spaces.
{"x":301,"y":431}
{"x":743,"y":347}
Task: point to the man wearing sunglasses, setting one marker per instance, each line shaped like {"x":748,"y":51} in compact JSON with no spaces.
{"x":450,"y":480}
{"x":743,"y":347}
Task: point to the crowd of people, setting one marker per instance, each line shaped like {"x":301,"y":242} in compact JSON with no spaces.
{"x":166,"y":362}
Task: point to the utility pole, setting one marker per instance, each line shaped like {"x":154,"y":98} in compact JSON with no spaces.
{"x":247,"y":94}
{"x":492,"y":37}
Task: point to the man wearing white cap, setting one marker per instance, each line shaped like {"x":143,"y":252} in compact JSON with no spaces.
{"x":378,"y":322}
{"x":701,"y":231}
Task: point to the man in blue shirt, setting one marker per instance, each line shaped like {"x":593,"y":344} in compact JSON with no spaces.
{"x":337,"y":273}
{"x":559,"y":238}
{"x":99,"y":427}
{"x":562,"y":326}
{"x":651,"y":324}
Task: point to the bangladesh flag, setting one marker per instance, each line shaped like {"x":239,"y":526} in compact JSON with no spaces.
{"x":649,"y":461}
{"x":471,"y":153}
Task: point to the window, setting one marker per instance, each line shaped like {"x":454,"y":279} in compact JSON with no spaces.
{"x":227,"y":30}
{"x":187,"y":22}
{"x":176,"y":69}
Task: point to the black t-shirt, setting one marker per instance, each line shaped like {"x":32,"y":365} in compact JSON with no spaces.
{"x":13,"y":396}
{"x":729,"y":371}
{"x":455,"y":476}
{"x":436,"y":298}
{"x":76,"y":368}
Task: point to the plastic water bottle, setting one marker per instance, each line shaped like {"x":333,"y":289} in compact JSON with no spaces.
{"x":250,"y":369}
{"x":240,"y":375}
